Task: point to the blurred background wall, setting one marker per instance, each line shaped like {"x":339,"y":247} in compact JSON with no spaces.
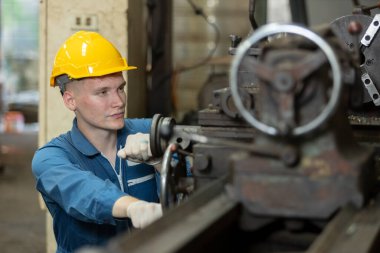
{"x":19,"y":56}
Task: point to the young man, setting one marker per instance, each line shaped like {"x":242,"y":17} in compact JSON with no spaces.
{"x":89,"y":190}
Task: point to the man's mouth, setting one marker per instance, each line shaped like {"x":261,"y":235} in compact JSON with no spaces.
{"x":118,"y":115}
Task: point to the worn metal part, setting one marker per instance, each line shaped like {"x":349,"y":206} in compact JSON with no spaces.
{"x":223,"y":100}
{"x":371,"y":31}
{"x":154,"y":136}
{"x":160,"y":134}
{"x":257,"y":150}
{"x":324,"y":168}
{"x":351,"y":231}
{"x":317,"y":188}
{"x":369,"y":53}
{"x":268,"y":73}
{"x":371,"y":88}
{"x":365,"y":119}
{"x":176,"y":184}
{"x":166,"y":183}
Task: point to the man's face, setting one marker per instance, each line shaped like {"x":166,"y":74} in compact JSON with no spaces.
{"x":99,"y":102}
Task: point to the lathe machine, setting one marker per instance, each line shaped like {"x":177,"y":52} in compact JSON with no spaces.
{"x":286,"y":159}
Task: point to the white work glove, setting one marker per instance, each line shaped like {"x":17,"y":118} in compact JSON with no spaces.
{"x":143,"y":213}
{"x":136,"y":147}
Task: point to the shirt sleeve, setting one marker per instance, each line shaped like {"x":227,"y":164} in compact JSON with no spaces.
{"x":138,"y":125}
{"x":80,"y":193}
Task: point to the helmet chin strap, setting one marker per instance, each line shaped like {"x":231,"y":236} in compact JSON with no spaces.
{"x":61,"y":81}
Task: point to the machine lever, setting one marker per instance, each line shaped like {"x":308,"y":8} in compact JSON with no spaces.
{"x":261,"y":151}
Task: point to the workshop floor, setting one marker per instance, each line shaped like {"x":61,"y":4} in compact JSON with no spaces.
{"x":22,"y":223}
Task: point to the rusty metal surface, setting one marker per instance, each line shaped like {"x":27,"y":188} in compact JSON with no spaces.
{"x":364,"y":120}
{"x":351,"y":231}
{"x":316,"y":189}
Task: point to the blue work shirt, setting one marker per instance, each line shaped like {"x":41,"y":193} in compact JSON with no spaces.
{"x":80,"y":186}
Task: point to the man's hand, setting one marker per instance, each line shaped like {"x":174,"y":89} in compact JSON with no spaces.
{"x":143,"y":213}
{"x":136,"y":147}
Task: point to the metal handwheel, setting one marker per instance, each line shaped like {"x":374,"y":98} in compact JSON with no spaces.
{"x":273,"y":75}
{"x":172,"y":188}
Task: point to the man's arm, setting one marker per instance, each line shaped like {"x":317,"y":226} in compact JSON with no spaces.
{"x":80,"y":193}
{"x":141,"y":213}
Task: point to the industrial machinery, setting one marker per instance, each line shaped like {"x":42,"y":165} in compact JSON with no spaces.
{"x":281,"y":162}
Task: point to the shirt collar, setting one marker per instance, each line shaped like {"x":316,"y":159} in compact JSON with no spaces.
{"x":80,"y":142}
{"x":121,"y":137}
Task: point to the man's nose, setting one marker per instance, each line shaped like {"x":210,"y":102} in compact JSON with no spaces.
{"x":118,"y":99}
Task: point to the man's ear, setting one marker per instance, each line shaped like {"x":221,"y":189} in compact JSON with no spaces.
{"x":69,"y":100}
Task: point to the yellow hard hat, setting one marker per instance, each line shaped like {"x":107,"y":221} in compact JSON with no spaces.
{"x":87,"y":54}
